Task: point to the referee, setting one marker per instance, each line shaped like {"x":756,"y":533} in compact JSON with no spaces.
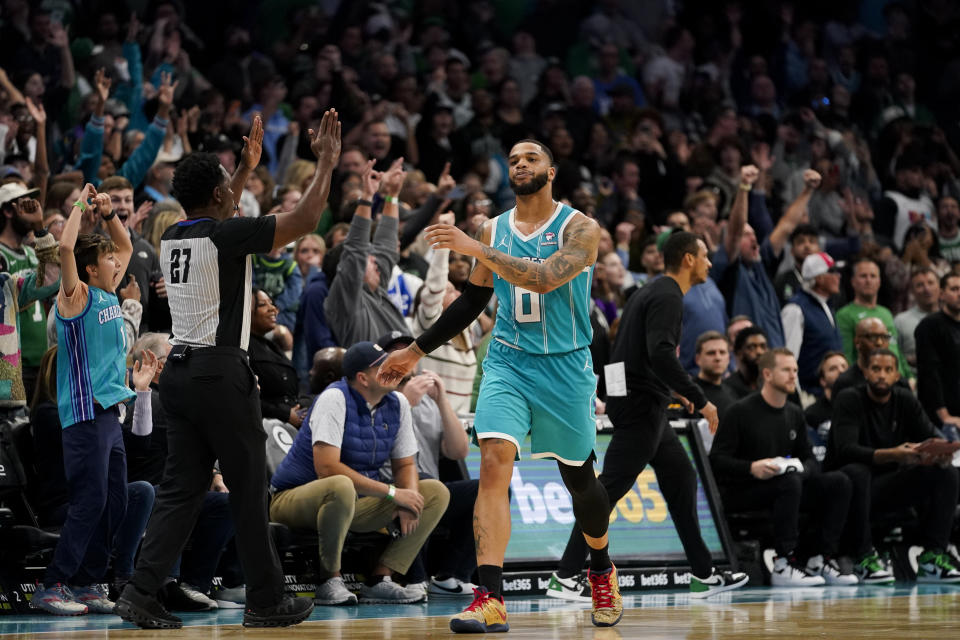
{"x":644,"y":370}
{"x":209,"y":391}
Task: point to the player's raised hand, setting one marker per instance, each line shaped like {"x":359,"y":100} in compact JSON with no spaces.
{"x":448,"y":236}
{"x":398,"y":365}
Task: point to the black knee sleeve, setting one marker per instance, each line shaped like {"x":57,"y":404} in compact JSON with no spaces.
{"x":591,"y":506}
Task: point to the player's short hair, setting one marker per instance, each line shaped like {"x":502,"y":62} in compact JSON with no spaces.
{"x":678,"y":245}
{"x":197,"y":175}
{"x":706,"y":337}
{"x":746,"y":332}
{"x":769,"y":358}
{"x":543,"y":147}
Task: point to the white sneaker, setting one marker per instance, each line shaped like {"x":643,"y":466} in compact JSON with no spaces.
{"x":388,"y":592}
{"x":418,"y":589}
{"x":94,"y":597}
{"x":198,"y":596}
{"x":829,"y":570}
{"x":232,"y":598}
{"x":573,"y":589}
{"x":450,"y":588}
{"x":334,"y":592}
{"x":785,"y":574}
{"x":718,"y":582}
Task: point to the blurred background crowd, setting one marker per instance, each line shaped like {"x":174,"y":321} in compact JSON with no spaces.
{"x":652,"y":109}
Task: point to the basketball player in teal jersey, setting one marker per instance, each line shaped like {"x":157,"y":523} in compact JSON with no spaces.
{"x":538,"y":374}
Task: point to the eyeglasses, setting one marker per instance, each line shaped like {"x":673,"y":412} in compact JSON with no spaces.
{"x":877,"y":337}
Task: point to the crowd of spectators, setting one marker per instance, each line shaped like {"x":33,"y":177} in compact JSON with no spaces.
{"x":813,"y":146}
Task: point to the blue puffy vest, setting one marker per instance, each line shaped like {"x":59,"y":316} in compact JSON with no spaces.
{"x":367,"y":440}
{"x":819,"y":337}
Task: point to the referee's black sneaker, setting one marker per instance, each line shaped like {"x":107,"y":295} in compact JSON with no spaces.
{"x":290,"y":610}
{"x":144,"y":610}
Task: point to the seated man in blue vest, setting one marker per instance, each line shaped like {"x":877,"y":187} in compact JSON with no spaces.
{"x":329,"y":479}
{"x":440,"y":432}
{"x":809,"y":324}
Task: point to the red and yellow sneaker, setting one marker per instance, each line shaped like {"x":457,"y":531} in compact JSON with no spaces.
{"x":486,"y":614}
{"x":607,"y":602}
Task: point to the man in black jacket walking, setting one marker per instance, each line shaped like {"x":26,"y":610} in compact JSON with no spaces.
{"x":644,"y":371}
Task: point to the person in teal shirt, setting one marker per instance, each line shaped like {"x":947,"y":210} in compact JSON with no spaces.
{"x":91,"y":386}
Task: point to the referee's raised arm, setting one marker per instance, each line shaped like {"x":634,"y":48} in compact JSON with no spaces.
{"x":325,"y":144}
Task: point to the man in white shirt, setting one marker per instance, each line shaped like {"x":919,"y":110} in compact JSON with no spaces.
{"x":809,"y":324}
{"x":330,"y":480}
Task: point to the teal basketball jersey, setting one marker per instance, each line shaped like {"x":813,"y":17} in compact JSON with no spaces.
{"x":554,"y":322}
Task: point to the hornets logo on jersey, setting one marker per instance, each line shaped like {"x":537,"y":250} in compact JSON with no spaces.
{"x":548,"y":323}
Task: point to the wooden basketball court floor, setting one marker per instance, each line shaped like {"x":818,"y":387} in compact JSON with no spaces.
{"x":905,"y":611}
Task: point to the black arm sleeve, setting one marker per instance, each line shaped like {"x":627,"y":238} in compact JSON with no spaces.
{"x":456,"y":318}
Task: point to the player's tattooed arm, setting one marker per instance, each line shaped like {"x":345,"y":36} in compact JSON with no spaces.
{"x":481,"y":275}
{"x":580,"y":241}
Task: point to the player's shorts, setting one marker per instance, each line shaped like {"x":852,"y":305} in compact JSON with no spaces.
{"x":551,"y":397}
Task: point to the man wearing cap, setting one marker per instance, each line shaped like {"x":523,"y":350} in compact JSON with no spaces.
{"x":809,"y":326}
{"x":440,"y":432}
{"x":20,"y":213}
{"x":330,"y":479}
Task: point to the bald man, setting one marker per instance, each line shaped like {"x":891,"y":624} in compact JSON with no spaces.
{"x":327,"y":367}
{"x":869,"y":334}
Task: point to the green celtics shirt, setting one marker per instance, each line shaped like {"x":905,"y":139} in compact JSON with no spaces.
{"x":33,"y":319}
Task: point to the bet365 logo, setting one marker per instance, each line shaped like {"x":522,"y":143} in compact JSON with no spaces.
{"x":643,"y":502}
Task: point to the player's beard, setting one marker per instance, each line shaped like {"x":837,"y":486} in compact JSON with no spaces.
{"x":531,"y":186}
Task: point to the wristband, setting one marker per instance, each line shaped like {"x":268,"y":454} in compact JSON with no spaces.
{"x":746,"y":187}
{"x":113,"y":214}
{"x":391,"y":493}
{"x":81,"y":204}
{"x":364,"y":203}
{"x":393,"y":199}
